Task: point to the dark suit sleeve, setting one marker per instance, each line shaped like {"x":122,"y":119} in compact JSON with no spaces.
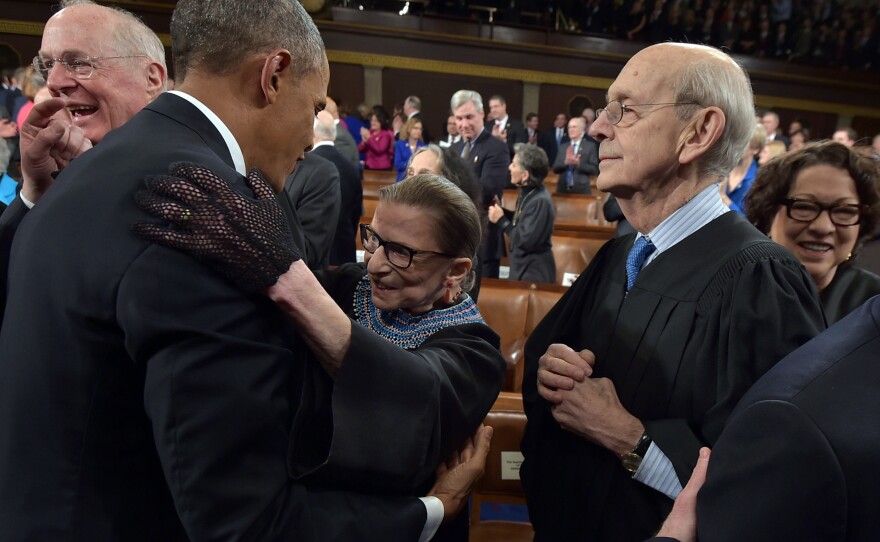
{"x":9,"y":221}
{"x":589,"y":162}
{"x":221,"y":388}
{"x":494,"y":175}
{"x":773,"y":476}
{"x":318,"y":212}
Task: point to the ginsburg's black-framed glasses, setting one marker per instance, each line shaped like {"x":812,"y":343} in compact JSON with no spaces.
{"x":399,"y":255}
{"x":841,"y":214}
{"x":615,"y":110}
{"x":81,"y":68}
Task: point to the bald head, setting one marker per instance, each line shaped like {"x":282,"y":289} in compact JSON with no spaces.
{"x":325,"y":127}
{"x":332,"y":108}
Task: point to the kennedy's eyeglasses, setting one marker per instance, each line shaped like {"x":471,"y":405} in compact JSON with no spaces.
{"x":81,"y":68}
{"x":399,"y":255}
{"x":616,"y":109}
{"x":841,"y":214}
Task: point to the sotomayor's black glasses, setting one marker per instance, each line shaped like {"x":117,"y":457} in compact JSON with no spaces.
{"x":616,"y":109}
{"x":81,"y":68}
{"x":841,"y":214}
{"x":399,"y":255}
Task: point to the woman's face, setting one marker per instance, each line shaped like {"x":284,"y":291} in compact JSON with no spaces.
{"x":421,"y":286}
{"x":518,"y":176}
{"x":375,"y":126}
{"x":415,"y":132}
{"x":424,"y":162}
{"x":820,"y":245}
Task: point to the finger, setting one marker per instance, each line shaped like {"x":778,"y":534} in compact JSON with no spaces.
{"x":162,"y":207}
{"x":554,"y":380}
{"x":566,"y":353}
{"x":589,"y":357}
{"x":483,"y":443}
{"x":467,"y":450}
{"x":201,"y":177}
{"x":258,"y":184}
{"x":551,"y":395}
{"x":698,"y":476}
{"x":571,"y":366}
{"x":42,"y":113}
{"x":175,"y":188}
{"x":160,"y":234}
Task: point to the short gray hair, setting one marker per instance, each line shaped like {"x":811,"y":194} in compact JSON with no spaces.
{"x":717,"y":80}
{"x":414,"y":102}
{"x":130,"y":35}
{"x":324,"y":131}
{"x":215,"y":36}
{"x":464,"y":96}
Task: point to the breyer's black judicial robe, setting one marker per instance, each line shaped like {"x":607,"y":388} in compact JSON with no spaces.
{"x":702,"y":322}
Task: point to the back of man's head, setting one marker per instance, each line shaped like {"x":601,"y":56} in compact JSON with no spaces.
{"x":325,"y":127}
{"x":215,"y":36}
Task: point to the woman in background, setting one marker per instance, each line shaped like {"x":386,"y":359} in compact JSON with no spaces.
{"x":821,"y":203}
{"x":530,"y":226}
{"x":741,"y":177}
{"x":410,"y":140}
{"x":377,"y":143}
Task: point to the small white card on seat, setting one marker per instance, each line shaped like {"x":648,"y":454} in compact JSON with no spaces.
{"x":510,"y":463}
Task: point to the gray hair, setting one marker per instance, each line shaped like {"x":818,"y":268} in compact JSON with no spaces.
{"x":414,"y":102}
{"x":533,"y":160}
{"x":457,"y":222}
{"x":130,"y":35}
{"x":717,"y":80}
{"x":215,"y":36}
{"x":464,"y":96}
{"x":324,"y":131}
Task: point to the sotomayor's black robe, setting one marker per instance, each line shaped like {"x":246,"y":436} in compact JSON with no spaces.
{"x":702,"y":322}
{"x":851,"y":287}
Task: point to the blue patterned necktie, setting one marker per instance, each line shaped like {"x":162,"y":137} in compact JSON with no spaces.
{"x":636,"y":259}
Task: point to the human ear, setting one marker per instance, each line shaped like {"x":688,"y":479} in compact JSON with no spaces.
{"x":459,"y":270}
{"x":274,"y":66}
{"x":700,"y":134}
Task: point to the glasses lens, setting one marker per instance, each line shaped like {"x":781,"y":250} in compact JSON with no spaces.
{"x":44,"y":66}
{"x":81,"y":67}
{"x":398,"y":254}
{"x":614,"y":111}
{"x":804,"y":210}
{"x":845,"y":216}
{"x":369,"y":239}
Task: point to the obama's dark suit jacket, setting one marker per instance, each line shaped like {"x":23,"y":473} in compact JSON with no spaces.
{"x":143,"y":397}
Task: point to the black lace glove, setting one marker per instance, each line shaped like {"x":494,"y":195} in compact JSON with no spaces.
{"x":246,"y":239}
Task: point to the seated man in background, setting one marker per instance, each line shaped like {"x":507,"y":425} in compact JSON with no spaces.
{"x":642,"y":361}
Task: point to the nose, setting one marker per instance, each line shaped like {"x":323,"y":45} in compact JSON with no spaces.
{"x":822,"y":225}
{"x":601,"y":129}
{"x":59,"y":78}
{"x":377,"y":262}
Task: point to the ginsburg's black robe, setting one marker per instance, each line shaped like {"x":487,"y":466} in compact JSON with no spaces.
{"x":703,"y":321}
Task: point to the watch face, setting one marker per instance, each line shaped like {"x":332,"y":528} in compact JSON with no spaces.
{"x":631,"y":461}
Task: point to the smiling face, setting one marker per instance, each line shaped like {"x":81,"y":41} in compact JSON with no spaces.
{"x":518,"y":176}
{"x":820,"y":245}
{"x":117,"y":89}
{"x":640,"y":152}
{"x":421,"y":286}
{"x":469,"y":120}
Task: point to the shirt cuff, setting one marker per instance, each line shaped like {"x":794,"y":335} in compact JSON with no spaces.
{"x":657,"y":472}
{"x":434,"y":507}
{"x":28,"y":203}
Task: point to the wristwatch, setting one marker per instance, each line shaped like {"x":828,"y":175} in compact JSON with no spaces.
{"x":633,"y":459}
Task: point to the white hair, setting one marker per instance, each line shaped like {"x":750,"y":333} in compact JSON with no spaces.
{"x":464,"y":96}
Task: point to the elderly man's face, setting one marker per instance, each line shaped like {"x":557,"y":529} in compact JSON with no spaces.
{"x":640,"y":150}
{"x":117,"y":89}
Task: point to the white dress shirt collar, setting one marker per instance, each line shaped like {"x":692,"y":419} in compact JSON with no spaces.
{"x":231,"y":143}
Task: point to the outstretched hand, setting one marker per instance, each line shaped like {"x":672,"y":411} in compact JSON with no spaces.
{"x":247,"y":239}
{"x":456,"y":477}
